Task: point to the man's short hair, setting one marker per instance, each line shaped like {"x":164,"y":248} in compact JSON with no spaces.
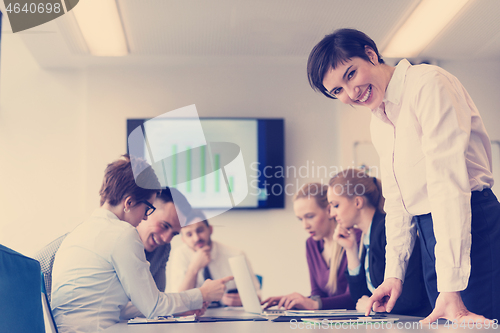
{"x":173,"y":195}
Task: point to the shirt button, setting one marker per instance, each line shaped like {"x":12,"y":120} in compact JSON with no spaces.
{"x":485,"y":193}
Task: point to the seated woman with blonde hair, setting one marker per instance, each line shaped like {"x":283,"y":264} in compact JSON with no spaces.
{"x":326,"y":259}
{"x":356,"y":201}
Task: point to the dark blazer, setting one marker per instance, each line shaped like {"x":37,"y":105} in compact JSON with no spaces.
{"x":413,"y":300}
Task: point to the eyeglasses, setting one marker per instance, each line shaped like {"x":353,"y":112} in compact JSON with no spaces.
{"x":150,"y":208}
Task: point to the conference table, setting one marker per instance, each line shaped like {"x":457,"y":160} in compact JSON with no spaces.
{"x":404,"y":324}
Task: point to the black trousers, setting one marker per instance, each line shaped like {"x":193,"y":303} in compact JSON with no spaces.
{"x":482,"y":295}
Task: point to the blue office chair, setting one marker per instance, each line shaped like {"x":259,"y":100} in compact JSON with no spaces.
{"x":259,"y":278}
{"x":20,"y":301}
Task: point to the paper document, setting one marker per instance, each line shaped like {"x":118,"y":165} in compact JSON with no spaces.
{"x":162,"y":319}
{"x":323,"y":313}
{"x":360,"y":321}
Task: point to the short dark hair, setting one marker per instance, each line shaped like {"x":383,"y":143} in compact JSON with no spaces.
{"x":119,"y":182}
{"x":197,"y":213}
{"x":169,"y":194}
{"x":338,"y":47}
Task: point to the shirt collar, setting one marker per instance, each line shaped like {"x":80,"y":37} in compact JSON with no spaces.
{"x":393,"y":92}
{"x":366,"y":237}
{"x":396,"y":84}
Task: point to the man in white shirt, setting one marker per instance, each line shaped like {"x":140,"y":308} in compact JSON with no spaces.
{"x":201,"y":258}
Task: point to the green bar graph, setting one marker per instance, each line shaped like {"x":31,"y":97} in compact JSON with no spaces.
{"x":202,"y":169}
{"x":188,"y":169}
{"x":174,"y":166}
{"x":217,"y":172}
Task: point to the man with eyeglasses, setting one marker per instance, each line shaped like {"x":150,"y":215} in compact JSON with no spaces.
{"x":101,"y":265}
{"x":156,"y":233}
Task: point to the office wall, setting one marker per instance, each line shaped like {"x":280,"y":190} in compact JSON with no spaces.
{"x":42,"y":119}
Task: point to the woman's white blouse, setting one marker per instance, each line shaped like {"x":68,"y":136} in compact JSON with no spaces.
{"x":434,"y":150}
{"x":99,"y":267}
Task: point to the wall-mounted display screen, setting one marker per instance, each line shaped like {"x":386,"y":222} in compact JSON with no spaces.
{"x":222,"y":165}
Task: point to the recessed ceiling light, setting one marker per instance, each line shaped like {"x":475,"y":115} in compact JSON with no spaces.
{"x":101,"y":27}
{"x":428,"y":19}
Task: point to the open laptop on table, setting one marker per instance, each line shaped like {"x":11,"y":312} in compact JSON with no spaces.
{"x":246,"y":288}
{"x":251,"y":303}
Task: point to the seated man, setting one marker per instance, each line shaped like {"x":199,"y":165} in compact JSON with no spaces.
{"x":201,"y":258}
{"x":156,"y":233}
{"x":101,"y":265}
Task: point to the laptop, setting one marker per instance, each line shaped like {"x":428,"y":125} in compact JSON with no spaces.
{"x":246,"y":287}
{"x":251,"y":303}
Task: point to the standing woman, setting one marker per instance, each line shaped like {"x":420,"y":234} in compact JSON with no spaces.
{"x":356,"y":201}
{"x":325,"y":258}
{"x":435,"y":157}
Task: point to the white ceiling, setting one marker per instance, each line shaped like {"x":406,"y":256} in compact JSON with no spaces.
{"x":162,"y":31}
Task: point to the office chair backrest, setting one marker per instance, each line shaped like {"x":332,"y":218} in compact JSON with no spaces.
{"x":259,"y":278}
{"x":20,"y":301}
{"x":46,"y":257}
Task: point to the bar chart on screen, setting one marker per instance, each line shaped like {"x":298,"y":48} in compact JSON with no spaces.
{"x":217,"y":163}
{"x":201,"y":173}
{"x":205,"y":160}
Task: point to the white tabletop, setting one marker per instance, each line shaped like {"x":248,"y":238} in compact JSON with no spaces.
{"x":405,"y":324}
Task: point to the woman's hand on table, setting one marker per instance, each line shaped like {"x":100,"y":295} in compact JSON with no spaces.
{"x":291,"y":301}
{"x":449,"y":305}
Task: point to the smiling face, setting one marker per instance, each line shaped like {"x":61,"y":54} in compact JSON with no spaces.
{"x":359,"y":82}
{"x":315,"y":219}
{"x":343,"y":209}
{"x":160,"y":227}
